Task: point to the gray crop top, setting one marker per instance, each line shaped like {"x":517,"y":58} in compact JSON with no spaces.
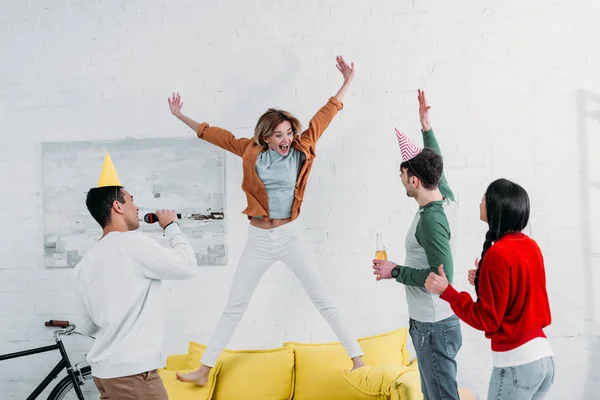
{"x":279,"y":175}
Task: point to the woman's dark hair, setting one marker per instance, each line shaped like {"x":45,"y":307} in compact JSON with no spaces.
{"x":507,"y":206}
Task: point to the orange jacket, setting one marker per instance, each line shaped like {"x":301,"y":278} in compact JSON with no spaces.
{"x":249,"y":151}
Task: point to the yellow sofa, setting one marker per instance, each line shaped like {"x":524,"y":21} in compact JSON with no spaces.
{"x":301,"y":371}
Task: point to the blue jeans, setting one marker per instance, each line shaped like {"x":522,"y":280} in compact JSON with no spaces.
{"x":436,"y":345}
{"x":530,"y":381}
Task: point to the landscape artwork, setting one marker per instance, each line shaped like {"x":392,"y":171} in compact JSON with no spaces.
{"x":186,"y":175}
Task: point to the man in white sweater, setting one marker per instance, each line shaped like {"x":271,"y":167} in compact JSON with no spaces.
{"x":119,"y":280}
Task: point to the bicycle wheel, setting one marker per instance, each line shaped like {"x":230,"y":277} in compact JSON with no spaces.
{"x":64,"y":390}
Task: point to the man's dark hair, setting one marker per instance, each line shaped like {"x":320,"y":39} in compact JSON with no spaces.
{"x":99,"y":202}
{"x":427,"y":166}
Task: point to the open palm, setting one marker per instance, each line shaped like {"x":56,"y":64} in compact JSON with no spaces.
{"x":346,"y":70}
{"x":424,"y":111}
{"x":175,"y":104}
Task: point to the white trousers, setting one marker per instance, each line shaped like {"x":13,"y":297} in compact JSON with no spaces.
{"x":265,"y":246}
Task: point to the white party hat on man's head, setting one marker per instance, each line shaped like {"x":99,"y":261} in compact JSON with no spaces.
{"x":407,"y":148}
{"x":108,"y":176}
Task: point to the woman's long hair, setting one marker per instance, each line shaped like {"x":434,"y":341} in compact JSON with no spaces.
{"x":267,"y":123}
{"x":507,"y":207}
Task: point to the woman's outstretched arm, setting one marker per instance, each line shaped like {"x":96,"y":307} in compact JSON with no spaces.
{"x":212,"y":134}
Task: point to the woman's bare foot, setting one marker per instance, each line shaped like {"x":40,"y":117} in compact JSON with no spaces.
{"x":357,"y":362}
{"x":199,"y":377}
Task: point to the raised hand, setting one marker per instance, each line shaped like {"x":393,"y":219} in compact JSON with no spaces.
{"x":424,"y":111}
{"x":348,"y":73}
{"x":175,"y":104}
{"x":346,"y":70}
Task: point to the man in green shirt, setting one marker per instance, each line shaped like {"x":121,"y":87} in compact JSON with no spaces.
{"x":434,"y":328}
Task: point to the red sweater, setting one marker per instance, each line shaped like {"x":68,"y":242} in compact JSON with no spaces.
{"x":512,"y":306}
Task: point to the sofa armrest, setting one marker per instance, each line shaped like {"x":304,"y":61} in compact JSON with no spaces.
{"x":176,"y":362}
{"x":408,"y":385}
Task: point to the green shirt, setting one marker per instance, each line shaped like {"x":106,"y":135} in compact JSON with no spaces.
{"x":433,"y":235}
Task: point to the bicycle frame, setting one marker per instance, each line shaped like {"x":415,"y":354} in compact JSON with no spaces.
{"x":63,"y":363}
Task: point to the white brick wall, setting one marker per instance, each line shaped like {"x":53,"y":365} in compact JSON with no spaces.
{"x":503,"y":78}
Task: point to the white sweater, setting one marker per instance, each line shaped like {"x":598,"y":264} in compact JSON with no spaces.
{"x":119,"y":280}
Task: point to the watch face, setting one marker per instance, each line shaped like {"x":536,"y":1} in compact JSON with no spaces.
{"x":395,"y":272}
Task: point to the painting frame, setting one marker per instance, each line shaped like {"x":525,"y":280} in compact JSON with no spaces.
{"x":180,"y":173}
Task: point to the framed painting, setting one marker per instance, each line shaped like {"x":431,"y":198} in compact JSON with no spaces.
{"x":186,"y":175}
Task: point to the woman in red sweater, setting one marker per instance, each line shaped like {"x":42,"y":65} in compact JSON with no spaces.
{"x":512,"y":305}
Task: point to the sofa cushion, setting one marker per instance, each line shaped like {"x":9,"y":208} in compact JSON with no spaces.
{"x":184,"y":390}
{"x":177,"y":362}
{"x":375,"y":383}
{"x":408,"y":386}
{"x":250,"y":374}
{"x":319,"y":368}
{"x":386,"y":348}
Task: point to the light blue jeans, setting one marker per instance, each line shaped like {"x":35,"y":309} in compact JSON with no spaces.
{"x":436,"y":345}
{"x":530,"y":381}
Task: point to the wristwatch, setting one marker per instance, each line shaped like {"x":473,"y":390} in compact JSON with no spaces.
{"x":396,"y":271}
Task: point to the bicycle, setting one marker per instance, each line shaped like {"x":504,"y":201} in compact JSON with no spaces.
{"x":78,"y":383}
